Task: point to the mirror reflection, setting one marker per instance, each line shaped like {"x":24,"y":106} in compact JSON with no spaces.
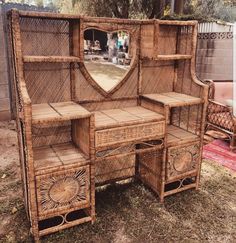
{"x":106,"y":56}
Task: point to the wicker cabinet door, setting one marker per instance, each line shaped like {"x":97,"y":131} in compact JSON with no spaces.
{"x":63,"y":190}
{"x":182,"y":160}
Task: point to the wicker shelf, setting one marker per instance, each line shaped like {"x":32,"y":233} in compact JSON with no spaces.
{"x":59,"y":155}
{"x":173,"y":57}
{"x":53,"y":112}
{"x":173,"y":99}
{"x":124,"y":117}
{"x":51,"y":59}
{"x":177,"y":135}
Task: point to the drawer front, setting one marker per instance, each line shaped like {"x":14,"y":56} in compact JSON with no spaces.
{"x":182,"y":160}
{"x":115,"y":168}
{"x":129,"y":133}
{"x":59,"y":191}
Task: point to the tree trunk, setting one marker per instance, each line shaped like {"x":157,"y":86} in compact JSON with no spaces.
{"x":172,"y":7}
{"x":120,"y":8}
{"x":125,"y":9}
{"x":158,"y":7}
{"x":179,"y":6}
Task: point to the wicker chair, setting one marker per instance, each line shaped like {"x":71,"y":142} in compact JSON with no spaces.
{"x":220,"y":116}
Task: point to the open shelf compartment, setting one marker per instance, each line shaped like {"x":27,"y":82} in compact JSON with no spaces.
{"x":175,"y":39}
{"x":177,"y":135}
{"x":58,"y":155}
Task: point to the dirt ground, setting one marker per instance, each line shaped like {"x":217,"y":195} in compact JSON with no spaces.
{"x":128,"y":213}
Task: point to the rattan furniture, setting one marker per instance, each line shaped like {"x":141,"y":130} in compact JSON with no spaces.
{"x":74,"y":135}
{"x":220,"y":117}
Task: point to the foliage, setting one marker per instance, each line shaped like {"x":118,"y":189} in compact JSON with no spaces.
{"x":121,"y":8}
{"x":204,"y":10}
{"x":212,"y":9}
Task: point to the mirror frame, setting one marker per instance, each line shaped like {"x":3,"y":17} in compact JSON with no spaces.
{"x":133,"y":31}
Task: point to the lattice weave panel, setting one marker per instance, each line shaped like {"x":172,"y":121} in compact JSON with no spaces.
{"x":182,"y":159}
{"x":45,"y":37}
{"x":109,"y":169}
{"x":62,"y":190}
{"x":48,"y":82}
{"x":130,"y":133}
{"x":220,"y":115}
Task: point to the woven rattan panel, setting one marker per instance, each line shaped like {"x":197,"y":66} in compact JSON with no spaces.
{"x":185,"y":40}
{"x":120,"y":167}
{"x":187,"y":117}
{"x":165,"y":73}
{"x":114,"y":164}
{"x":129,"y":133}
{"x":168,"y":44}
{"x":182,"y":159}
{"x":48,"y":82}
{"x":147,"y":43}
{"x":150,"y":167}
{"x":184,"y":80}
{"x":51,"y":134}
{"x":44,"y":37}
{"x":62,"y":191}
{"x":220,"y":116}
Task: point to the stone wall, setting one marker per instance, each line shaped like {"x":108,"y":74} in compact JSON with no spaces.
{"x":5,"y":111}
{"x":215,"y":56}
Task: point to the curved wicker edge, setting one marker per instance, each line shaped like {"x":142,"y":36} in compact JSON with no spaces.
{"x":134,"y":32}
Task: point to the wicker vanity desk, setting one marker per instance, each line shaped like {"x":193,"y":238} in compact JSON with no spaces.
{"x":74,"y":135}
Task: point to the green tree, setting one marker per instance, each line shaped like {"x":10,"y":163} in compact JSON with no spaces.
{"x":213,"y":9}
{"x":198,"y":9}
{"x":121,"y":8}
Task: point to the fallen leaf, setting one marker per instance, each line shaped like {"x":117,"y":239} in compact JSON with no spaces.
{"x":14,"y":210}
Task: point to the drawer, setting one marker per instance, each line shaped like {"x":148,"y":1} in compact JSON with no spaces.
{"x":114,"y":164}
{"x":182,"y":160}
{"x":131,"y":133}
{"x":61,"y":191}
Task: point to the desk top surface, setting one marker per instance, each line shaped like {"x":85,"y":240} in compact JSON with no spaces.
{"x":125,"y":116}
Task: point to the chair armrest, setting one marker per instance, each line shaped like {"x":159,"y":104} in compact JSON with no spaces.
{"x":216,"y":107}
{"x":211,"y":85}
{"x":198,"y":88}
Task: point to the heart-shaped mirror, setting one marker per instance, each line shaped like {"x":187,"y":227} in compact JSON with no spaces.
{"x":107,"y":56}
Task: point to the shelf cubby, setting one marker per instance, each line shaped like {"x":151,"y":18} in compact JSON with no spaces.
{"x":175,"y":40}
{"x":53,"y":157}
{"x":177,"y":135}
